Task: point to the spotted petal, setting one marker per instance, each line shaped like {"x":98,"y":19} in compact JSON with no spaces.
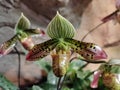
{"x":89,"y":51}
{"x":41,"y":50}
{"x":7,"y":46}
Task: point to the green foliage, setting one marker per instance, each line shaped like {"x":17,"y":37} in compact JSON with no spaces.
{"x":78,"y":78}
{"x":46,"y":65}
{"x":6,"y":84}
{"x":115,"y":69}
{"x":36,"y":88}
{"x":51,"y":82}
{"x":113,"y":66}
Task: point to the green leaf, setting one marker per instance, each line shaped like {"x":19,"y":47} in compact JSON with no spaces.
{"x":42,"y":63}
{"x":60,"y":27}
{"x":48,"y":86}
{"x":52,"y":78}
{"x":23,"y":23}
{"x":113,"y":66}
{"x":36,"y":88}
{"x":76,"y":64}
{"x":82,"y":74}
{"x":65,"y":88}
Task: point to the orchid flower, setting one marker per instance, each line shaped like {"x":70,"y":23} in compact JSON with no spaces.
{"x":62,"y":44}
{"x":23,"y":33}
{"x":114,"y":15}
{"x":110,"y":74}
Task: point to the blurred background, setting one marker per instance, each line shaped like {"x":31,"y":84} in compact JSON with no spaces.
{"x":83,"y":14}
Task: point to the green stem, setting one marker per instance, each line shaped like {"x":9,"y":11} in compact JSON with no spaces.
{"x":83,"y":66}
{"x":59,"y":82}
{"x":62,"y":81}
{"x":92,"y":30}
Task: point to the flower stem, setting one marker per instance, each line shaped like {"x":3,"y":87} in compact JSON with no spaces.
{"x":19,"y":66}
{"x":59,"y":82}
{"x":62,"y":82}
{"x":92,"y":30}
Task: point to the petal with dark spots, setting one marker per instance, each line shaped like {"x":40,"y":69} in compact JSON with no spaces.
{"x":41,"y":50}
{"x":7,"y":46}
{"x":98,"y":52}
{"x":89,"y":51}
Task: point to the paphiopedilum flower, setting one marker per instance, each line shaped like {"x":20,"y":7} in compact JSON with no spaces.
{"x":62,"y":44}
{"x":110,"y":74}
{"x":115,"y":16}
{"x":22,"y":34}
